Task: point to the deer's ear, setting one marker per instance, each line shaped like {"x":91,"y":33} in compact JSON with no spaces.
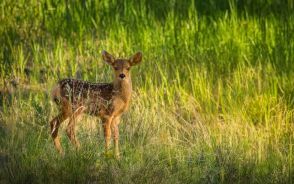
{"x":136,"y":58}
{"x":108,"y":58}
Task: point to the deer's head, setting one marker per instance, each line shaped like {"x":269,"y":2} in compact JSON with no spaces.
{"x":122,"y":67}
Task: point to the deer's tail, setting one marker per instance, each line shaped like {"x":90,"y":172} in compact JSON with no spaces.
{"x":55,"y":94}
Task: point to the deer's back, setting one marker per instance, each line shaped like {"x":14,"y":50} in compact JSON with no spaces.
{"x":94,"y":96}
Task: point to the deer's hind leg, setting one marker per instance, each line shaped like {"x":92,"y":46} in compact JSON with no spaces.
{"x":65,"y":112}
{"x":70,"y":130}
{"x":55,"y":124}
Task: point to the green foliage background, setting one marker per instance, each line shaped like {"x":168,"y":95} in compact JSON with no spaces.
{"x":213,"y":99}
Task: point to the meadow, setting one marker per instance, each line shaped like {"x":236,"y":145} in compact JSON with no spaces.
{"x":213,"y":98}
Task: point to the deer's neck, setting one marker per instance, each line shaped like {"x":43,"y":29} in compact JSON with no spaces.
{"x":123,"y":89}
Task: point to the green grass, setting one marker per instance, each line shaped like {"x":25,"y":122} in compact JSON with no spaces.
{"x":213,"y":98}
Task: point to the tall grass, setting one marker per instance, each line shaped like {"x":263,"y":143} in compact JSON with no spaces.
{"x":213,"y":99}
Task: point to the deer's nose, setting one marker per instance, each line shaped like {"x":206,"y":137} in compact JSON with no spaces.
{"x":122,"y":75}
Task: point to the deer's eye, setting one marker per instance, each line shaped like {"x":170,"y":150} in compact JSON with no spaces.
{"x":116,"y":68}
{"x":128,"y":68}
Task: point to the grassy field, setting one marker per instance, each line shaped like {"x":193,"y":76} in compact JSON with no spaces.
{"x":213,"y":98}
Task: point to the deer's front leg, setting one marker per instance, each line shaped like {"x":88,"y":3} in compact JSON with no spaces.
{"x":107,"y":131}
{"x":114,"y":127}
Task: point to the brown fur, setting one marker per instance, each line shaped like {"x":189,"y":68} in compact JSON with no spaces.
{"x":105,"y":100}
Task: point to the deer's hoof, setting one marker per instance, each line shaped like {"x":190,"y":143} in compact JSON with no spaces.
{"x":61,"y":152}
{"x":117,"y":156}
{"x":108,"y":154}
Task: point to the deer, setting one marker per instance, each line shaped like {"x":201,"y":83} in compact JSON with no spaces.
{"x":108,"y":101}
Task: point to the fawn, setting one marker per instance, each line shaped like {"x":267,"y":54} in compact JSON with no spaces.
{"x":105,"y":100}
